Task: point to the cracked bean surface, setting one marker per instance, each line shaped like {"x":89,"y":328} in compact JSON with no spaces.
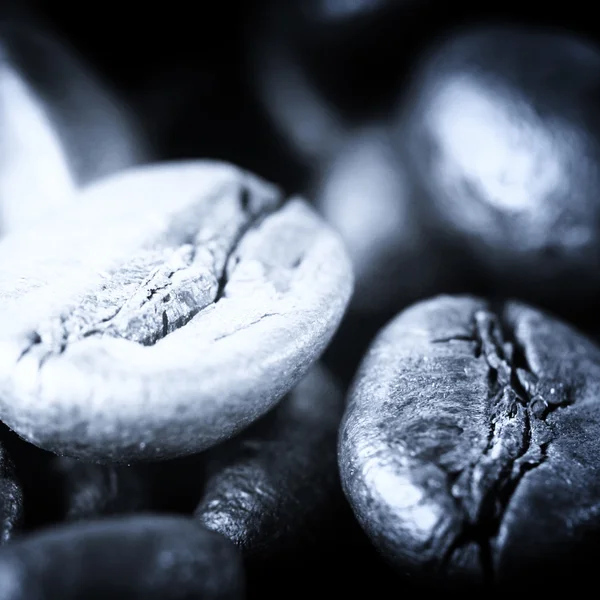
{"x":165,"y":312}
{"x":469,"y":446}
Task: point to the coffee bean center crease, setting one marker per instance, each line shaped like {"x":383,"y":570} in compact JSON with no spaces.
{"x":518,"y":437}
{"x":163,"y":286}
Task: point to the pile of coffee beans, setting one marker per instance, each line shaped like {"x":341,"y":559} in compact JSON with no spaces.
{"x":298,"y":298}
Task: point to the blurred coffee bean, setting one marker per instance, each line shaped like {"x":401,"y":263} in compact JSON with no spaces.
{"x":167,"y":558}
{"x":58,"y":489}
{"x":340,"y":11}
{"x":469,"y":450}
{"x":309,"y":125}
{"x":367,"y":195}
{"x":60,"y":127}
{"x":503,"y":131}
{"x":272,"y":488}
{"x":11,"y":494}
{"x":88,"y":490}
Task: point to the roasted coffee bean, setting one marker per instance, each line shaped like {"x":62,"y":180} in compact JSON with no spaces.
{"x":168,"y":558}
{"x":469,"y":450}
{"x":273,"y":486}
{"x":60,"y":127}
{"x":87,"y":490}
{"x":59,"y":489}
{"x":11,"y":495}
{"x":167,"y":310}
{"x":502,"y":128}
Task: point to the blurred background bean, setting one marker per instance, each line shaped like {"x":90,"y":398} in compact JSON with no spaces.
{"x":503,"y":134}
{"x":61,"y":127}
{"x":145,"y":556}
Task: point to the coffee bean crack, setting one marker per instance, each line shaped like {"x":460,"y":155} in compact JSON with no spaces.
{"x":163,"y":286}
{"x":518,"y":438}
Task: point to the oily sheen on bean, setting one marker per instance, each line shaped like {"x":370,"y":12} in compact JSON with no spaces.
{"x":145,"y":557}
{"x":168,"y":309}
{"x":469,"y":449}
{"x":271,"y":487}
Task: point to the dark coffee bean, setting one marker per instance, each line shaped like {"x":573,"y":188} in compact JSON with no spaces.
{"x":469,"y":450}
{"x":503,"y":130}
{"x":58,"y":489}
{"x":11,"y":496}
{"x":60,"y":127}
{"x":273,"y":486}
{"x":170,"y":308}
{"x":87,"y":490}
{"x":168,"y":558}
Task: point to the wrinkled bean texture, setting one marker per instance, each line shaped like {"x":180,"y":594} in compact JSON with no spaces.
{"x":169,"y":309}
{"x":469,"y":450}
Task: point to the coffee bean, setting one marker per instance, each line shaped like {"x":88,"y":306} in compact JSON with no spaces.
{"x":147,"y":557}
{"x":11,"y":497}
{"x":503,"y":132}
{"x":60,"y":127}
{"x":469,"y":450}
{"x":167,"y":310}
{"x":273,"y":486}
{"x":86,"y":490}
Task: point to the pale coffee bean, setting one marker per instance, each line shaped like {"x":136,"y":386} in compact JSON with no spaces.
{"x":168,"y":309}
{"x":60,"y":126}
